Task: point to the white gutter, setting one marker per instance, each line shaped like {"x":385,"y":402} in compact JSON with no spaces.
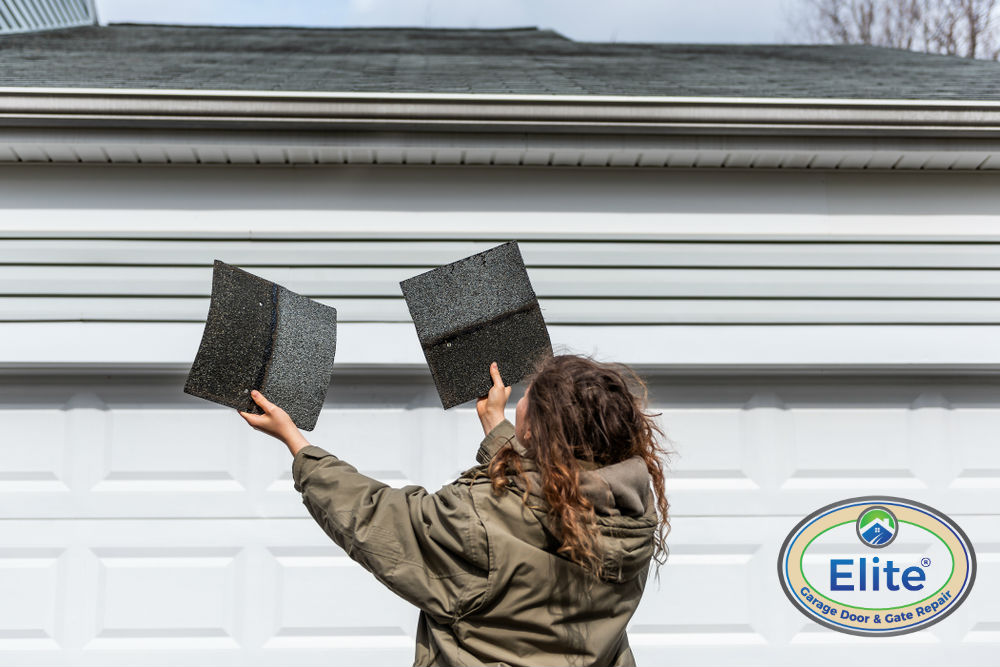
{"x":216,"y":109}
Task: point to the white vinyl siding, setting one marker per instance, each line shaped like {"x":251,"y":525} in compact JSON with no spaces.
{"x":137,"y":244}
{"x":36,"y":15}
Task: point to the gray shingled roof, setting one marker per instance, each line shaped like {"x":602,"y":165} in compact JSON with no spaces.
{"x":511,"y":61}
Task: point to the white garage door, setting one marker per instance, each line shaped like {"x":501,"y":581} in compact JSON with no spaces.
{"x":140,"y":526}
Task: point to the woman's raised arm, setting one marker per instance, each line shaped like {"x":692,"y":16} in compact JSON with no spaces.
{"x":428,"y":548}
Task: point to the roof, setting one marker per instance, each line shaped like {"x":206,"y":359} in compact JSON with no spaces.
{"x":517,"y":97}
{"x":521,"y":61}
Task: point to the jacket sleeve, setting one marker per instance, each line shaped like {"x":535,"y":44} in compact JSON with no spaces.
{"x":501,"y":434}
{"x":428,"y":548}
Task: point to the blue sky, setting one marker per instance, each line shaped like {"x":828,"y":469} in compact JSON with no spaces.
{"x":732,"y":21}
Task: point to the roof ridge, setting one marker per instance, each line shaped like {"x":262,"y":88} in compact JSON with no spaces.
{"x":228,"y":26}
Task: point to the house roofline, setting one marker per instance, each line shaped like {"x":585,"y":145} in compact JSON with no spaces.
{"x":398,"y":95}
{"x":269,"y":127}
{"x":164,"y":109}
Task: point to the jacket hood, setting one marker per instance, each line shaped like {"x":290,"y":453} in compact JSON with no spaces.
{"x":623,"y":503}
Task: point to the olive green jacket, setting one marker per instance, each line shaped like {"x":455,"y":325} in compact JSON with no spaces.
{"x":483,"y":569}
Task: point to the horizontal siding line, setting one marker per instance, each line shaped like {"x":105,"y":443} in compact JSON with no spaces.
{"x":386,"y":297}
{"x":713,"y":240}
{"x":781,"y":323}
{"x":607,"y":312}
{"x":829,"y":375}
{"x":308,"y":519}
{"x":590,"y":283}
{"x":588,"y":267}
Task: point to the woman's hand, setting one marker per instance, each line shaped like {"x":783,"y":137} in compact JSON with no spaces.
{"x":275,"y":422}
{"x":490,"y":407}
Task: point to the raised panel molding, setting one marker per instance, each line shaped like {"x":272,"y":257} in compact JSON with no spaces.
{"x":32,"y":587}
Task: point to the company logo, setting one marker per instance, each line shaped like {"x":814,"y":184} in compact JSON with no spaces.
{"x":876,"y":566}
{"x":877,"y":526}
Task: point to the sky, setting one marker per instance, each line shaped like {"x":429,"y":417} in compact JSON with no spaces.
{"x":723,"y":21}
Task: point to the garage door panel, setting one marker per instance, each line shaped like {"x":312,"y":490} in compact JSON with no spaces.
{"x":175,"y":531}
{"x":167,"y":597}
{"x":710,"y":452}
{"x":980,"y":615}
{"x":316,"y":590}
{"x":193,"y":450}
{"x":32,"y":581}
{"x":698,"y":569}
{"x":134,"y":592}
{"x":24,"y":467}
{"x":849,"y":442}
{"x":400,"y":445}
{"x":278,"y":592}
{"x":795,"y":445}
{"x":976,"y":434}
{"x":143,"y":448}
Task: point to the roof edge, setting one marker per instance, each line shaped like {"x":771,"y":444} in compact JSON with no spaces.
{"x":398,"y":95}
{"x":226,"y":109}
{"x":292,"y":26}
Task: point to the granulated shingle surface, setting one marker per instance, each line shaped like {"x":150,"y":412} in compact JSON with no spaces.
{"x":473,"y":312}
{"x":460,"y":365}
{"x":260,"y":335}
{"x":302,"y":361}
{"x":506,"y":61}
{"x":236,"y":340}
{"x":469,"y":292}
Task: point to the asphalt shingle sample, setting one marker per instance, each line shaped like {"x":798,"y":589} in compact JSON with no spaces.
{"x":475,"y":311}
{"x":301,"y":365}
{"x":510,"y":61}
{"x":261,"y":335}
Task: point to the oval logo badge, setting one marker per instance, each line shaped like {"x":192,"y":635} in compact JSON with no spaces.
{"x":877,"y":566}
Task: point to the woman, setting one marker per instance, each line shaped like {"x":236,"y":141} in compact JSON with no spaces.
{"x":536,"y":556}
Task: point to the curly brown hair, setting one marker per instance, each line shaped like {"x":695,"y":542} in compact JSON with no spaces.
{"x":580,"y":408}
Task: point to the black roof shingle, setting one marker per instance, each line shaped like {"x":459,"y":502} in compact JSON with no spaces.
{"x":506,"y":61}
